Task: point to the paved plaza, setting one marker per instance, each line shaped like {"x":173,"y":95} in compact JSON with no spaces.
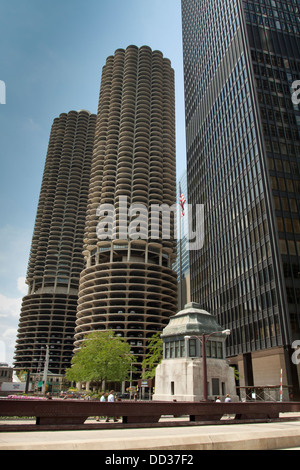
{"x":254,"y":436}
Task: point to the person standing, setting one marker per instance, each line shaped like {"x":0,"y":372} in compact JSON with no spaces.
{"x":111,"y":398}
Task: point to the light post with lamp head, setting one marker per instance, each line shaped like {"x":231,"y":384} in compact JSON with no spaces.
{"x":203,"y":339}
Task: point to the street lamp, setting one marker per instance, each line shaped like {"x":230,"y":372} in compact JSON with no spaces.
{"x":131,"y":363}
{"x":203,"y":339}
{"x":45,"y":374}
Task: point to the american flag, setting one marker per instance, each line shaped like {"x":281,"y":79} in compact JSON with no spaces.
{"x":182,"y":201}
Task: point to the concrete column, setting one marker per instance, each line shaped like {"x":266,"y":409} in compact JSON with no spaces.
{"x":248,"y":370}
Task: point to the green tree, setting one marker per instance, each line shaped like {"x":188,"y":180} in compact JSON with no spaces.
{"x":102,"y":356}
{"x":22,"y":374}
{"x":153,"y":357}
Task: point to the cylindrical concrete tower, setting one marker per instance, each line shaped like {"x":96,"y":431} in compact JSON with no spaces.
{"x":49,"y":310}
{"x":128,"y":284}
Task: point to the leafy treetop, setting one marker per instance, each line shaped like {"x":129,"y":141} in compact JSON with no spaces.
{"x":102,"y":356}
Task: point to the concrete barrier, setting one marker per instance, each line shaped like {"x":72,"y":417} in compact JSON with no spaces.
{"x":57,"y":413}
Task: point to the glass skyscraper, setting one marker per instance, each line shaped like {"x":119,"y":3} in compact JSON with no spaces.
{"x":243,"y":149}
{"x":182,"y":263}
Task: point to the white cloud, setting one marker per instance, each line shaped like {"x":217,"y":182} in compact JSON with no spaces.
{"x":2,"y":352}
{"x":22,"y":286}
{"x":10,"y":307}
{"x":10,"y":333}
{"x":9,"y":314}
{"x":9,"y":337}
{"x":14,"y":250}
{"x":7,"y":344}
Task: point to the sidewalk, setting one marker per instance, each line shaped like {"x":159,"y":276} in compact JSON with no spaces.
{"x":255,"y":436}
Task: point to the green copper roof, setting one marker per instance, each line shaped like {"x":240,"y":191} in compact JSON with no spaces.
{"x":192,"y":320}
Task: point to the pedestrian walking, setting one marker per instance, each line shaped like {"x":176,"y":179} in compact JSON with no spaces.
{"x":102,"y":399}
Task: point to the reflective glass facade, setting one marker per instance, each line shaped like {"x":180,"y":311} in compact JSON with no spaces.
{"x":182,"y":263}
{"x":183,"y":231}
{"x":243,"y":148}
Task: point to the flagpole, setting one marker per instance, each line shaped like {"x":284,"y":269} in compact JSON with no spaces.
{"x":180,"y":254}
{"x":45,"y":374}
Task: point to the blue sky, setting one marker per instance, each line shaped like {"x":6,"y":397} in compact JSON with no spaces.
{"x":51,"y":58}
